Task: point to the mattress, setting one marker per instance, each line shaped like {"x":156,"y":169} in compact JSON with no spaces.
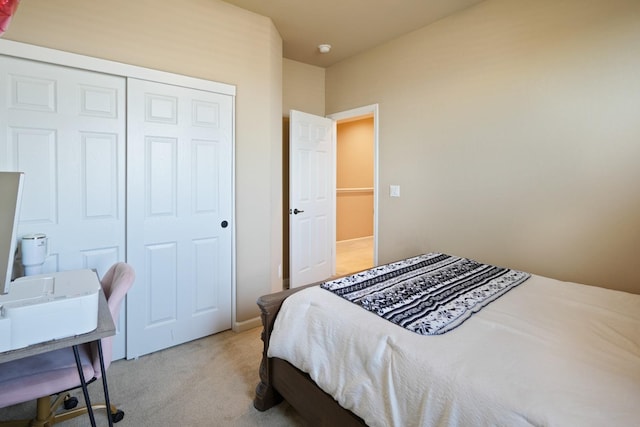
{"x":547,"y":353}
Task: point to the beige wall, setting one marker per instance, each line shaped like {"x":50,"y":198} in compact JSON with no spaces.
{"x":354,"y":178}
{"x":513,"y":129}
{"x":303,"y":88}
{"x":208,"y":39}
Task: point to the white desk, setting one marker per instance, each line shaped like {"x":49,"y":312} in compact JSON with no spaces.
{"x":105,"y":329}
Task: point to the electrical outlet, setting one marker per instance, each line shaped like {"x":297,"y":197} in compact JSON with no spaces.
{"x":394,"y":190}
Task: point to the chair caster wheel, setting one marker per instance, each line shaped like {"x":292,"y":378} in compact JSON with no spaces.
{"x":70,"y":403}
{"x":117,"y":416}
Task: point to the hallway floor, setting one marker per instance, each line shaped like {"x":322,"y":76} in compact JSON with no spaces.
{"x":354,"y":255}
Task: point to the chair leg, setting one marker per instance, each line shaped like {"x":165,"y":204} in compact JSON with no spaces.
{"x":44,"y":412}
{"x":15,"y":423}
{"x":67,"y":415}
{"x":46,"y":416}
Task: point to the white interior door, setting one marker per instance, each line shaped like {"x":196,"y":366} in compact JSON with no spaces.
{"x":311,"y":198}
{"x":65,"y":129}
{"x":179,"y":215}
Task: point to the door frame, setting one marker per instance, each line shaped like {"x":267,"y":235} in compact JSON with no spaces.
{"x":366,"y":110}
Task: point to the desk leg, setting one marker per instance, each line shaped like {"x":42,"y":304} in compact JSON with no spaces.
{"x":104,"y":383}
{"x":84,"y":386}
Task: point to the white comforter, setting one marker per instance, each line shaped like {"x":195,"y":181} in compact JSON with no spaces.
{"x":548,"y":353}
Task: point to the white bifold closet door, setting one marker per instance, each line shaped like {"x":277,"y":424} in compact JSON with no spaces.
{"x":179,"y":213}
{"x":65,"y":129}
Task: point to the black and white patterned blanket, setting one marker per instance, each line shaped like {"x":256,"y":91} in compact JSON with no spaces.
{"x":429,"y":294}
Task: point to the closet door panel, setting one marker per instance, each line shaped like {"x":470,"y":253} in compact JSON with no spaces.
{"x":179,"y":214}
{"x":65,"y":128}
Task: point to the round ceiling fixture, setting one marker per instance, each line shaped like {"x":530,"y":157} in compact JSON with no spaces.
{"x":324,"y":48}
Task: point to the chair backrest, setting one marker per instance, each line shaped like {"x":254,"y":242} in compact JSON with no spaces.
{"x":116,"y":282}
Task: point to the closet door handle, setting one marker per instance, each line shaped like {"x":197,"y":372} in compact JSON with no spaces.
{"x":296,"y":211}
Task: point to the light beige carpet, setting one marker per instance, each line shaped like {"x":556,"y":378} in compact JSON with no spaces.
{"x":207,"y":382}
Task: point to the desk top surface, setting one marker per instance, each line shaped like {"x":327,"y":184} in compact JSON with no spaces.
{"x":105,"y":328}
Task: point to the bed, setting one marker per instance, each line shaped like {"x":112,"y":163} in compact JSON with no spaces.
{"x":543,"y":352}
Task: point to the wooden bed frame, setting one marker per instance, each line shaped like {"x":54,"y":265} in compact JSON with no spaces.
{"x":280,"y":380}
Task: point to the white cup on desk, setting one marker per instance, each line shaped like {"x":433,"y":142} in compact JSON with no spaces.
{"x":34,"y":249}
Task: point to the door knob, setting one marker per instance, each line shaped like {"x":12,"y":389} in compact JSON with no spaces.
{"x":296,"y":211}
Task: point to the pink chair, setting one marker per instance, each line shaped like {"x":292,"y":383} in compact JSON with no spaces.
{"x":40,"y":376}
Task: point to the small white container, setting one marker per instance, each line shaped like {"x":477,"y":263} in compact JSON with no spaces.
{"x":34,"y":249}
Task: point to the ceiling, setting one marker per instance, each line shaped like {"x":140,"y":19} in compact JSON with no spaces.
{"x":349,"y":26}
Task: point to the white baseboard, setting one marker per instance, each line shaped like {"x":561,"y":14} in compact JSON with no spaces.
{"x":246,"y":325}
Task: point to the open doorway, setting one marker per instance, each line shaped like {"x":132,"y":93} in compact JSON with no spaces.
{"x":369,"y":246}
{"x":356,"y":189}
{"x":354,"y":194}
